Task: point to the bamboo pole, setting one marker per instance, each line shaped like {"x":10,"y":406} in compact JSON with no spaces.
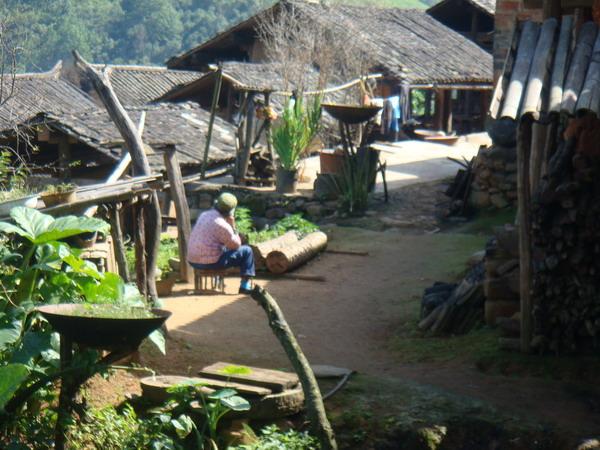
{"x":319,"y":424}
{"x":524,"y":225}
{"x":213,"y":112}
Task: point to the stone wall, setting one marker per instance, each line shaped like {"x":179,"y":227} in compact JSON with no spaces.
{"x":501,"y":285}
{"x":495,"y":179}
{"x":266,"y":204}
{"x":507,"y":13}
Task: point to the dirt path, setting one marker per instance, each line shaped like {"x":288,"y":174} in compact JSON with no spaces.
{"x":349,"y":320}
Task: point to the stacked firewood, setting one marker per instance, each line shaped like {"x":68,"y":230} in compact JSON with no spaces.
{"x":454,"y":308}
{"x":501,"y":285}
{"x":285,"y":253}
{"x":566,"y":244}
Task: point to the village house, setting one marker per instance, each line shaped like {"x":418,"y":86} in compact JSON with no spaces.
{"x":410,"y":48}
{"x":63,"y":131}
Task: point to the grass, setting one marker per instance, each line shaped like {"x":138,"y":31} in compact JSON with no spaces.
{"x":485,"y":222}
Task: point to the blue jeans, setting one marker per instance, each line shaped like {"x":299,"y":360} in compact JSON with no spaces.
{"x":242,"y":258}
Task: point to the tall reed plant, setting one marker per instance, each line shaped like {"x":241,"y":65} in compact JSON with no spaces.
{"x":299,"y":125}
{"x":355,"y":182}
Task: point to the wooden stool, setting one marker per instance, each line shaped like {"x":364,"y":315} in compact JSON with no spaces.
{"x":203,"y":278}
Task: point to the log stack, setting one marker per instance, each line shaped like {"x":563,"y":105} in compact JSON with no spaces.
{"x":454,"y":308}
{"x":566,"y":243}
{"x":501,"y":286}
{"x":262,"y":250}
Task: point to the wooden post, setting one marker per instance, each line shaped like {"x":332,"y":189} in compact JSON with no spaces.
{"x":141,"y":272}
{"x":64,"y":157}
{"x":538,"y":145}
{"x":133,"y":142}
{"x":524,"y":204}
{"x":248,"y":138}
{"x":438,"y":118}
{"x":268,"y":128}
{"x":319,"y":423}
{"x":65,"y":397}
{"x":211,"y":122}
{"x":116,"y":232}
{"x":184,"y":227}
{"x":447,"y":112}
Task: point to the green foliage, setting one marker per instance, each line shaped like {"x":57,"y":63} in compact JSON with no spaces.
{"x":37,"y":267}
{"x":60,"y":188}
{"x":354,"y":182}
{"x":418,"y":102}
{"x":110,"y":429}
{"x":169,"y":248}
{"x":272,"y":438}
{"x":295,"y":131}
{"x":294,"y":222}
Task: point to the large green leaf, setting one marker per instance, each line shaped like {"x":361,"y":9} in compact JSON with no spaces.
{"x":183,"y":426}
{"x":236,"y":403}
{"x":10,"y":331}
{"x":33,"y":345}
{"x":11,"y":378}
{"x":42,"y":228}
{"x":157,"y":338}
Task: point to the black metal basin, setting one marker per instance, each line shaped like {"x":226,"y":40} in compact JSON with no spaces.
{"x":100,"y":332}
{"x":351,"y":114}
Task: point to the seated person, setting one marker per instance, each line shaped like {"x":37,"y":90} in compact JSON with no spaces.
{"x":215,"y":243}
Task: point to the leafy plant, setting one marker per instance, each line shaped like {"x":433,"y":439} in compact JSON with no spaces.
{"x":272,"y":438}
{"x":354,"y":182}
{"x":293,"y":222}
{"x":60,"y":188}
{"x":296,"y":130}
{"x":213,"y":406}
{"x":169,"y":248}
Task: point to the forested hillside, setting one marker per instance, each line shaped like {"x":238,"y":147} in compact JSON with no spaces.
{"x":125,"y":31}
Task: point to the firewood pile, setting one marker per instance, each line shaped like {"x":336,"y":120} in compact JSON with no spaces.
{"x":501,"y":286}
{"x":566,"y":244}
{"x":448,"y":308}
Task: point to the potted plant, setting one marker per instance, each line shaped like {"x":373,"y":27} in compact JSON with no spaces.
{"x":56,"y":194}
{"x":296,"y":130}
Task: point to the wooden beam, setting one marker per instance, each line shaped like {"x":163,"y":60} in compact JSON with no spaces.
{"x":438,"y":117}
{"x":184,"y":227}
{"x":248,"y":138}
{"x":213,"y":112}
{"x":447,"y":112}
{"x":524,"y":224}
{"x":118,"y":242}
{"x":135,"y":145}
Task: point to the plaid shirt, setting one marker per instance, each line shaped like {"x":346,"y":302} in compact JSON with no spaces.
{"x":211,"y":236}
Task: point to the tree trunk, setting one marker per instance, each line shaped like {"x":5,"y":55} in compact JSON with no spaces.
{"x":262,"y":250}
{"x":320,"y":426}
{"x":133,"y":142}
{"x":292,"y":256}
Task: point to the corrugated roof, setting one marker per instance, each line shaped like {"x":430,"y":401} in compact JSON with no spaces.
{"x":34,"y":93}
{"x":409,"y":44}
{"x":139,"y":85}
{"x":165,"y":124}
{"x":550,"y":69}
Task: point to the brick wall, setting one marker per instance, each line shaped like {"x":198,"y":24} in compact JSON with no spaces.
{"x":507,"y":13}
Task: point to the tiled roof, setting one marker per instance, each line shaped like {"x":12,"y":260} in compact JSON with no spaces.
{"x":165,"y":124}
{"x":139,"y":85}
{"x":408,"y":44}
{"x":35,"y":93}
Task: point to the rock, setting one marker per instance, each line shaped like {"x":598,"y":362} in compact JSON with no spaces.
{"x":315,"y":210}
{"x":275,"y":213}
{"x":174,"y":263}
{"x":498,"y":201}
{"x":257,"y":204}
{"x":496,"y":309}
{"x":479,"y":199}
{"x":205,"y":201}
{"x":589,"y":444}
{"x":299,"y":203}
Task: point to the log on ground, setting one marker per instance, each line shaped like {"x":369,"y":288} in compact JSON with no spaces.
{"x":294,"y":255}
{"x":262,"y":250}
